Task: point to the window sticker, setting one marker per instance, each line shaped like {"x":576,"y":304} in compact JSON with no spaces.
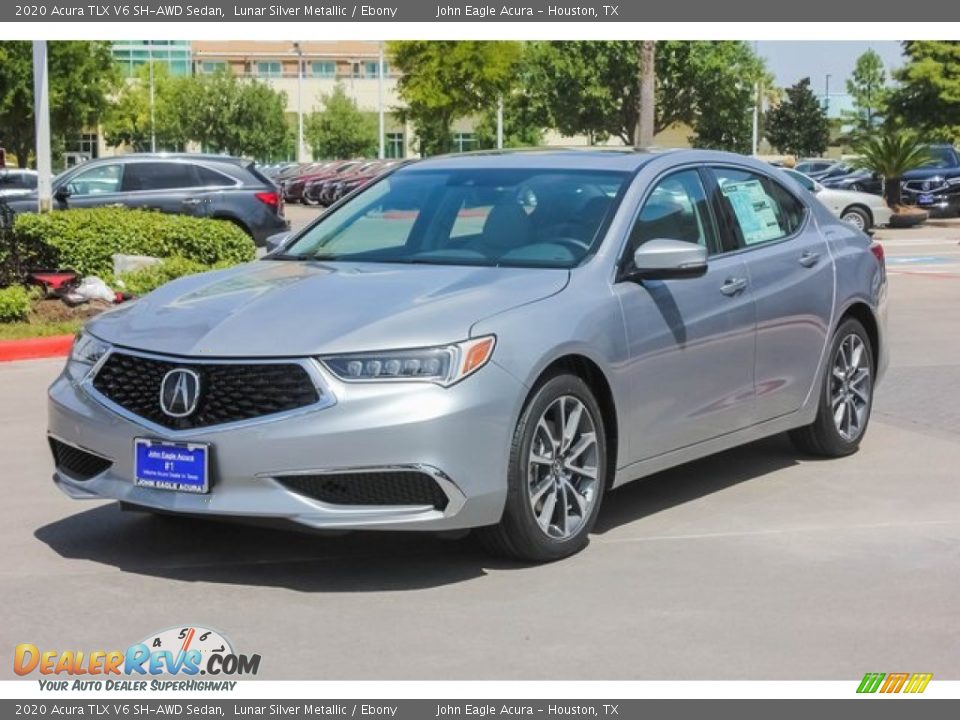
{"x":754,"y":211}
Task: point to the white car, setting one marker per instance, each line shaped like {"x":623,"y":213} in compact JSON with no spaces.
{"x":15,"y":182}
{"x":860,"y":209}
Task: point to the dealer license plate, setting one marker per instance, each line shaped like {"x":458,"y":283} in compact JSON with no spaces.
{"x":162,"y":465}
{"x":925,"y":200}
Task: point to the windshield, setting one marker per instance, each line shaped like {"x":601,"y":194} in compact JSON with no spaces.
{"x":469,"y":216}
{"x":941,"y":157}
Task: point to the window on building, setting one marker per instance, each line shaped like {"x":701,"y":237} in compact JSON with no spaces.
{"x":464,"y":141}
{"x":269,"y":68}
{"x":323,"y":69}
{"x":394,"y":145}
{"x":209,"y":67}
{"x":85,"y":144}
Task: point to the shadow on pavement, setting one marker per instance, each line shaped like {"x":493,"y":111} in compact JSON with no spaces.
{"x":197,"y":550}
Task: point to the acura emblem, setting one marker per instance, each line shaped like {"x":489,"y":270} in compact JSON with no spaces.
{"x":926,"y":185}
{"x":179,"y":392}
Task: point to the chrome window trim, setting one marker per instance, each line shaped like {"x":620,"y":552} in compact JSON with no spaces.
{"x":455,"y":496}
{"x":310,"y":365}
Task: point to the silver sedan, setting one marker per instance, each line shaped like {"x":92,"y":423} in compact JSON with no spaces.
{"x":485,"y":341}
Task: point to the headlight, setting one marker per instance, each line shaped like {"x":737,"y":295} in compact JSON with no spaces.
{"x":85,"y":353}
{"x":953,"y":181}
{"x":443,"y":365}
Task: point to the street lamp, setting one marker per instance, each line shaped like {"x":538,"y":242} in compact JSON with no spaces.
{"x":153,"y":119}
{"x":41,"y":114}
{"x":299,"y":50}
{"x":382,"y":151}
{"x":826,"y":96}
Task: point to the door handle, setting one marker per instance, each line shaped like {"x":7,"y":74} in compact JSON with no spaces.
{"x":809,"y":258}
{"x":732,"y":286}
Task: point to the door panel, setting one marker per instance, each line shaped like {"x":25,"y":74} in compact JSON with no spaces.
{"x":691,"y":349}
{"x":690,"y":340}
{"x":791,"y":277}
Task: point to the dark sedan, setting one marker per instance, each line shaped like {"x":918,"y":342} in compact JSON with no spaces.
{"x":227,"y":188}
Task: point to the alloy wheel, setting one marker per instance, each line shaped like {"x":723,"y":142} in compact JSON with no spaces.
{"x":855,"y":219}
{"x":562,"y":468}
{"x":850,"y":386}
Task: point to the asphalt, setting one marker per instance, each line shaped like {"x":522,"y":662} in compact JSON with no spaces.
{"x":754,"y":564}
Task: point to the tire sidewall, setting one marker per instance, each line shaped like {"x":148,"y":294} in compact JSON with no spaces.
{"x":838,"y":444}
{"x":518,"y":512}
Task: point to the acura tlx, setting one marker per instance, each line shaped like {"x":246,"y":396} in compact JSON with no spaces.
{"x":488,"y":341}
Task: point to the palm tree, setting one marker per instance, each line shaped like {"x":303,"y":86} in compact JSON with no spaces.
{"x":890,"y":154}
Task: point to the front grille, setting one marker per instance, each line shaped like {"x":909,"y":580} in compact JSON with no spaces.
{"x":386,"y":487}
{"x":77,"y":463}
{"x":916,"y":186}
{"x":228,"y":391}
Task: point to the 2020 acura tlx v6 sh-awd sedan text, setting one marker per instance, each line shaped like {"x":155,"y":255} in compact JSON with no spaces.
{"x":485,"y":341}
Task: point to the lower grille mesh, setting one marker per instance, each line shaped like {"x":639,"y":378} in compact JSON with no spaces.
{"x":77,"y":463}
{"x":388,"y":487}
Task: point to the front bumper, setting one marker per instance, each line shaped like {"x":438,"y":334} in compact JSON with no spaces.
{"x":940,"y":204}
{"x":459,"y":435}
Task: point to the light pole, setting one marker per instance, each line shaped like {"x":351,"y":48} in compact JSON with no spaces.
{"x":153,"y":118}
{"x":41,"y":114}
{"x":500,"y":123}
{"x":380,"y":116}
{"x":755,"y":143}
{"x":299,"y":50}
{"x":826,"y":96}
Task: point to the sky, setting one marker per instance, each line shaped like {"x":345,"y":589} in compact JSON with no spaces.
{"x":790,"y":61}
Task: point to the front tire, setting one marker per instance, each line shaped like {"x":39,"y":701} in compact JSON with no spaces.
{"x":857,"y":217}
{"x":846,"y":396}
{"x":556,"y":477}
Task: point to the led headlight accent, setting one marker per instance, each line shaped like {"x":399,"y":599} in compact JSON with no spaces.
{"x":85,"y":353}
{"x":444,"y":365}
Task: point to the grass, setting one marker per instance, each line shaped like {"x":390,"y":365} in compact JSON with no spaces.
{"x":23,"y":330}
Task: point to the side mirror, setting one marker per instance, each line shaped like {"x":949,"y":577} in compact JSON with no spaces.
{"x":817,"y":187}
{"x":275,"y":242}
{"x":62,"y":193}
{"x":665,"y":259}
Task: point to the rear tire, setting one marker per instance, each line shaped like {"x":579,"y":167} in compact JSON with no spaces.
{"x":556,"y":477}
{"x":846,"y":396}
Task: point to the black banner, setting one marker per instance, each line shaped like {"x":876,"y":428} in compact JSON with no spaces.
{"x":457,"y":11}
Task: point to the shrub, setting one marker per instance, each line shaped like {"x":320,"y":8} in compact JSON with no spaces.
{"x":142,"y":281}
{"x":85,"y":240}
{"x":15,"y":301}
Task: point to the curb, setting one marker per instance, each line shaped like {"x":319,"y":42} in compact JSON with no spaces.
{"x":35,"y":348}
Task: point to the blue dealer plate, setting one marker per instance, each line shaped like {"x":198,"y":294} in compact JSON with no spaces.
{"x":925,"y":200}
{"x":181,"y":467}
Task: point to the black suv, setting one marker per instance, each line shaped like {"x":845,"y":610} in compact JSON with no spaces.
{"x":200,"y":185}
{"x":936,"y":186}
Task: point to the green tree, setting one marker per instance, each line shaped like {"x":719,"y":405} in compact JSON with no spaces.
{"x":448,"y":79}
{"x":928,"y":96}
{"x":236,"y":116}
{"x":128,"y":120}
{"x":890,"y":154}
{"x":524,"y":118}
{"x":867,"y":87}
{"x":82,"y":76}
{"x":798,"y":125}
{"x":591,"y":87}
{"x":341,"y":130}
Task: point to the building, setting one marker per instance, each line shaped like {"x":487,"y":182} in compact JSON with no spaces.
{"x":305,"y":72}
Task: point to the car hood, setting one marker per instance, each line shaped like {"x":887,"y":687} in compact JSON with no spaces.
{"x":927,"y":173}
{"x":289,"y":308}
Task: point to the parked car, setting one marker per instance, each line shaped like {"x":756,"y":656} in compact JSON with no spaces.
{"x":835,"y":170}
{"x":310,"y":193}
{"x":361,"y":179}
{"x":856,"y":180}
{"x":323,"y":191}
{"x":862,"y":210}
{"x":485,"y":341}
{"x":200,"y":185}
{"x":813,"y":166}
{"x":15,"y":182}
{"x":293,"y":188}
{"x":936,"y":186}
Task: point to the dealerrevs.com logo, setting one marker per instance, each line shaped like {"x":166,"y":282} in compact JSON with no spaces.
{"x":189,"y":651}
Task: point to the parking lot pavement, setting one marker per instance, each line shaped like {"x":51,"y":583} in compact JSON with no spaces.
{"x":299,"y":215}
{"x":755,"y":564}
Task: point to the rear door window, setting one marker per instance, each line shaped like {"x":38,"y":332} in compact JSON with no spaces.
{"x":758,"y":210}
{"x":158,"y":176}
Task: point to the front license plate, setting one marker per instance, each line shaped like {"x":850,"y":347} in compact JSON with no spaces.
{"x":925,"y":200}
{"x":181,"y":467}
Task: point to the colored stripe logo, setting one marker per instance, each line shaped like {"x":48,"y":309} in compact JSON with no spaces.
{"x":888,"y":683}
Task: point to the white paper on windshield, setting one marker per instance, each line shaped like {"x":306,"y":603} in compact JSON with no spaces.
{"x":754,"y":210}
